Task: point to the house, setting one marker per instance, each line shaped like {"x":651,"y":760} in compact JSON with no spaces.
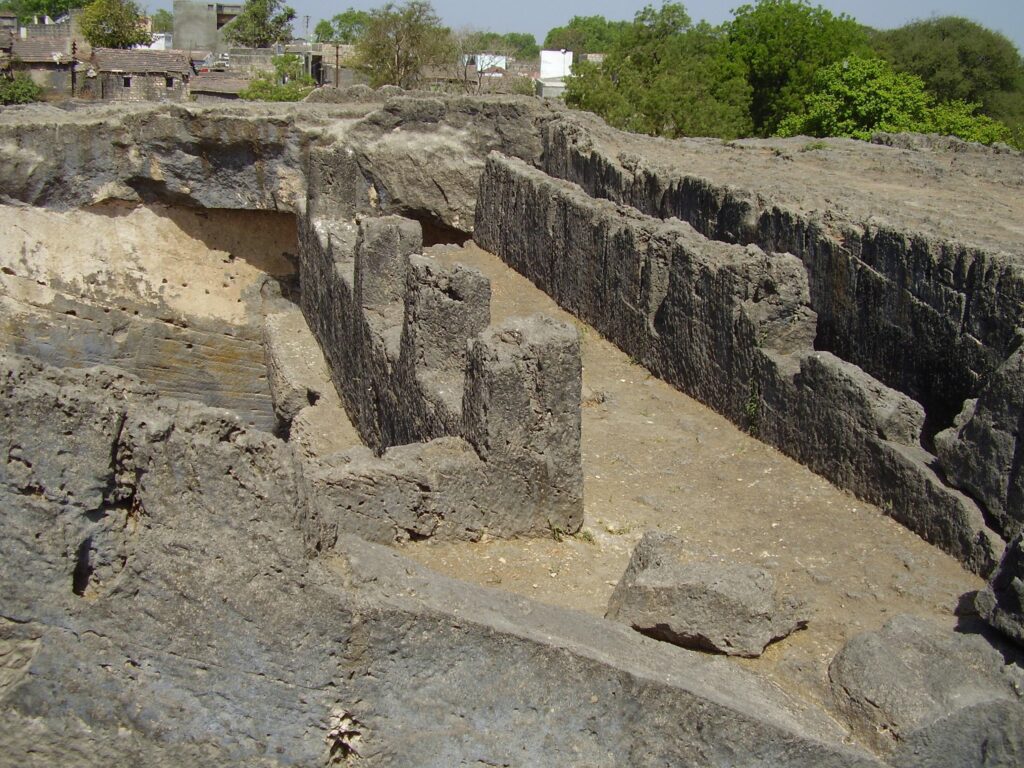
{"x":210,"y":87}
{"x":6,"y":42}
{"x":139,"y":74}
{"x":47,"y":60}
{"x":485,"y":61}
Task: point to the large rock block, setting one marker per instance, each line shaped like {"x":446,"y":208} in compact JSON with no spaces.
{"x":929,"y":697}
{"x":704,"y":604}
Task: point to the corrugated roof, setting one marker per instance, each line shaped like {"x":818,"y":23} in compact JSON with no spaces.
{"x":140,"y":60}
{"x":37,"y":50}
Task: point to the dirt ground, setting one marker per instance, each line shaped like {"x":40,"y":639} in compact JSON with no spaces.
{"x":654,"y":458}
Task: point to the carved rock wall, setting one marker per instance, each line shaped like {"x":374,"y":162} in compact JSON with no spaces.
{"x":733,"y":326}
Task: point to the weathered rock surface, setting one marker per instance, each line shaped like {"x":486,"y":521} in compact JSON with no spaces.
{"x":931,"y":698}
{"x":158,"y":608}
{"x":701,"y":604}
{"x":927,"y":299}
{"x":983,"y":453}
{"x":1001,"y":603}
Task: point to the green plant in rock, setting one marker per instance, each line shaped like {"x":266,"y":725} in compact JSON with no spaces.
{"x":752,"y":408}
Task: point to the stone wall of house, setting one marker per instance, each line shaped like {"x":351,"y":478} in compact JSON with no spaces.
{"x":138,"y":86}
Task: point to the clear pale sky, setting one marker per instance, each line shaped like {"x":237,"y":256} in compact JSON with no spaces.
{"x":538,"y":16}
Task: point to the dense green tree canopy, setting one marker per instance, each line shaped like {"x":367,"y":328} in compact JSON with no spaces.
{"x":585,"y":34}
{"x":783,"y":43}
{"x":261,"y":24}
{"x":857,"y":96}
{"x":667,"y":78}
{"x":345,"y":28}
{"x":400,"y":41}
{"x":960,"y":60}
{"x":114,"y":24}
{"x":163,"y":21}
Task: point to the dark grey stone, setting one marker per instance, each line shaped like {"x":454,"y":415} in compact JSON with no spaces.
{"x":177,"y":620}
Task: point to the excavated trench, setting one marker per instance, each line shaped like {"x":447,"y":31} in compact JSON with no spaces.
{"x":170,"y":294}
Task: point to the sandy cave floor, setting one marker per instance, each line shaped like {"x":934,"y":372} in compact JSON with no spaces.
{"x":654,"y":458}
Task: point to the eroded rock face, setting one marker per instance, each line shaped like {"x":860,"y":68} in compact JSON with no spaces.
{"x":927,"y":697}
{"x":1001,"y":602}
{"x":163,"y":571}
{"x":701,"y":604}
{"x":983,"y":453}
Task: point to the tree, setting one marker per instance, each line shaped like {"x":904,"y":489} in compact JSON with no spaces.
{"x":400,"y":41}
{"x":585,"y":34}
{"x":344,"y":28}
{"x":261,"y":24}
{"x":523,"y":44}
{"x":783,"y":43}
{"x":114,"y":24}
{"x":667,"y":78}
{"x":19,"y":90}
{"x":163,"y":21}
{"x":960,"y":60}
{"x":288,"y":83}
{"x":858,"y":96}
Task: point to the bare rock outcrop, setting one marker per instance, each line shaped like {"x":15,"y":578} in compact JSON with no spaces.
{"x":732,"y":326}
{"x":1001,"y":602}
{"x":983,"y":453}
{"x":703,"y":604}
{"x":925,"y":697}
{"x":163,"y":563}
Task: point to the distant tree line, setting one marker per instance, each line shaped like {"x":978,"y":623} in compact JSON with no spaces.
{"x":785,"y":67}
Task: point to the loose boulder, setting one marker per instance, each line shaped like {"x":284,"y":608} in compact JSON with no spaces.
{"x":705,"y":605}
